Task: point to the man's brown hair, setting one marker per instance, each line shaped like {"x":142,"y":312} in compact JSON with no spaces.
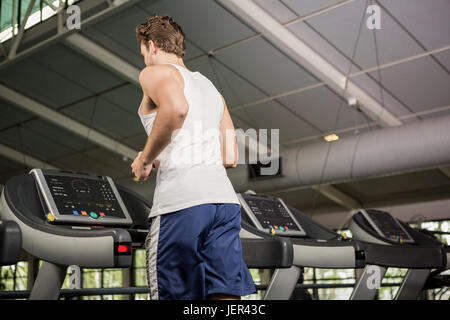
{"x":164,"y":32}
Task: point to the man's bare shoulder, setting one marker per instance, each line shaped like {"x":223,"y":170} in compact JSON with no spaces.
{"x":159,"y":70}
{"x":156,"y":73}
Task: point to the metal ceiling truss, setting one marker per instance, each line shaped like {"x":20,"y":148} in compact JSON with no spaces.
{"x":66,"y":122}
{"x":282,"y":38}
{"x":24,"y":158}
{"x":56,"y":25}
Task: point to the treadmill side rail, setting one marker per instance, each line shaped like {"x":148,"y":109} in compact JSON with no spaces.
{"x":368,"y":283}
{"x":282,"y":284}
{"x":412,"y":284}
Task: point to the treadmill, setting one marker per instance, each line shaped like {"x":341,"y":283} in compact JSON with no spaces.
{"x":390,"y":242}
{"x":72,"y":218}
{"x":313,"y":245}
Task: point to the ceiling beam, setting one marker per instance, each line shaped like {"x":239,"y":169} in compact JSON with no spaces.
{"x":338,"y":196}
{"x":446,"y":171}
{"x":287,"y":42}
{"x":24,"y":158}
{"x":48,"y":26}
{"x":65,"y":122}
{"x":104,"y":57}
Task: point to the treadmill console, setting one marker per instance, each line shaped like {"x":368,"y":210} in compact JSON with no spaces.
{"x":387,"y":226}
{"x":80,"y":198}
{"x":270,"y":214}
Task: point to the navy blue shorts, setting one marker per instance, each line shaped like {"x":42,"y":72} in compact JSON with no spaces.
{"x":195,"y":252}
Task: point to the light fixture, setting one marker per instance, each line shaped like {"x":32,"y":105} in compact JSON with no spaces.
{"x":331,"y":137}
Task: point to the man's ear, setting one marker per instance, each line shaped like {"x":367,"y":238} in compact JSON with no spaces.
{"x":152,"y":47}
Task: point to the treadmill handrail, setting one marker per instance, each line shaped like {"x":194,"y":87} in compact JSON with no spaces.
{"x":267,"y":253}
{"x":404,"y":256}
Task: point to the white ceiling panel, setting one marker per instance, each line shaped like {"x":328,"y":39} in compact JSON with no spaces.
{"x":422,"y":84}
{"x":324,"y":109}
{"x":341,"y":26}
{"x":138,"y":141}
{"x":442,"y":113}
{"x":444,"y":58}
{"x":371,"y":85}
{"x":322,"y":46}
{"x":132,"y":53}
{"x":121,"y":27}
{"x":234,"y":89}
{"x":7,"y":164}
{"x":270,"y":115}
{"x":266,"y":67}
{"x":75,"y":67}
{"x":42,"y":84}
{"x":8,"y":172}
{"x":369,"y":189}
{"x":428,"y":21}
{"x":111,"y":160}
{"x":108,"y":119}
{"x":304,"y":7}
{"x":78,"y":162}
{"x":126,"y":97}
{"x":11,"y":114}
{"x":277,"y":9}
{"x":32,"y":143}
{"x":63,"y":137}
{"x":206,"y":23}
{"x":304,"y":199}
{"x":108,"y":41}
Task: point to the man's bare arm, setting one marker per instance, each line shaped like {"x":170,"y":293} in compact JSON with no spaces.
{"x":159,"y":83}
{"x":229,"y":141}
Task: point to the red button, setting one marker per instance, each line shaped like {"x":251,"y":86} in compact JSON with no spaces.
{"x":102,"y":214}
{"x":121,"y":248}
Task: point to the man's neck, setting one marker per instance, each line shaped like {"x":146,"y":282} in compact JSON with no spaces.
{"x":171,"y":59}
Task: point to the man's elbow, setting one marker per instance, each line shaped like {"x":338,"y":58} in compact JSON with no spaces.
{"x":181,"y":112}
{"x":230,"y":164}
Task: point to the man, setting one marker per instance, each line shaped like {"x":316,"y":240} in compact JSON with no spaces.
{"x":193,"y":247}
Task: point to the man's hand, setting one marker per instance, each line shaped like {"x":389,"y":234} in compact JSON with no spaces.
{"x":141,"y":170}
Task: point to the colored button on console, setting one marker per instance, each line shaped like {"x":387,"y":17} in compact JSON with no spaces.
{"x":93,"y":215}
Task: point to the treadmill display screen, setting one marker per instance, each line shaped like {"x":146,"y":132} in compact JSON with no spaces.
{"x":387,"y":226}
{"x":79,"y":198}
{"x":271,"y":214}
{"x":75,"y":196}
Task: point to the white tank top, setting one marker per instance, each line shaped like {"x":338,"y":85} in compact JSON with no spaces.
{"x":191,"y":171}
